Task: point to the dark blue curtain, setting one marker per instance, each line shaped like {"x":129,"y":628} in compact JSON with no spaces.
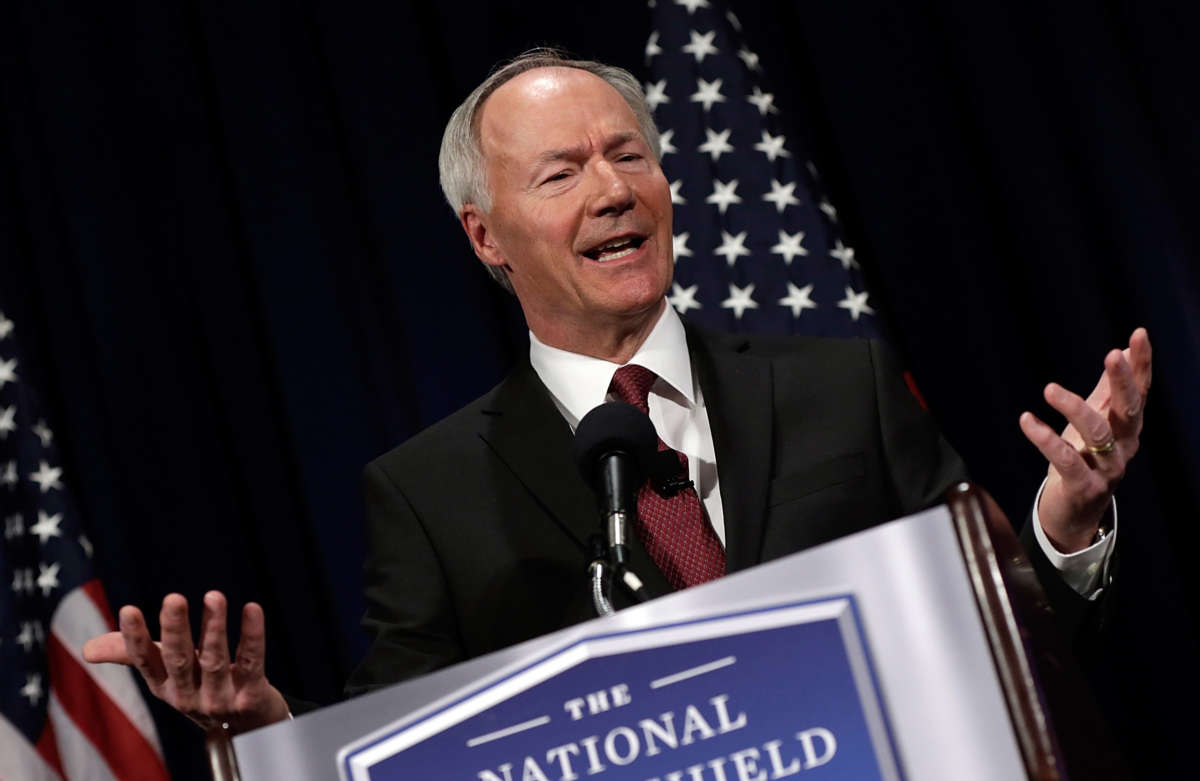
{"x":222,"y":239}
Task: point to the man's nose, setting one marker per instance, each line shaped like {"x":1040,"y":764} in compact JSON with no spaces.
{"x":613,"y":195}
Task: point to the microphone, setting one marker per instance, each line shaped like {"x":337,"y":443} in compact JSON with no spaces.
{"x":614,"y":448}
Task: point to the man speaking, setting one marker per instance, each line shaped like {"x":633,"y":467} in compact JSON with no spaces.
{"x":479,"y":525}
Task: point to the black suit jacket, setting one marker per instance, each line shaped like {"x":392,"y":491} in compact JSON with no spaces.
{"x":478,"y":526}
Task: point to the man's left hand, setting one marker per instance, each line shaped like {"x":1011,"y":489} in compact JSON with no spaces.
{"x":1088,"y":459}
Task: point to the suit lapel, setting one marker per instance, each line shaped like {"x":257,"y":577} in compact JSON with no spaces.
{"x":527,"y":432}
{"x":738,"y":397}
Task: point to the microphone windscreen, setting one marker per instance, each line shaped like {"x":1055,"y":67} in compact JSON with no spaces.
{"x":613,"y":427}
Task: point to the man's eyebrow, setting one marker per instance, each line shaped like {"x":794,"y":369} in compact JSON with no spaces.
{"x":566,"y":153}
{"x":618,"y":139}
{"x":575,"y":152}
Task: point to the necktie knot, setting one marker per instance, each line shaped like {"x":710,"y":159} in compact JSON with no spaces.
{"x":631,"y":384}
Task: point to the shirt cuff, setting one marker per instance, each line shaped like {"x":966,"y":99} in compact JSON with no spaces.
{"x":1085,"y":571}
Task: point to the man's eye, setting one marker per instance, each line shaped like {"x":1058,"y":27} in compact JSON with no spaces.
{"x":628,"y":156}
{"x":556,"y":177}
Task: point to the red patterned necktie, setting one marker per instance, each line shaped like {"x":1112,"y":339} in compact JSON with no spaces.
{"x":673,"y":529}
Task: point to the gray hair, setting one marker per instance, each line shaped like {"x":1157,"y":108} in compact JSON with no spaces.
{"x":461,"y":165}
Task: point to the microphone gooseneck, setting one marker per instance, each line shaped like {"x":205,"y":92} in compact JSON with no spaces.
{"x":614,"y":448}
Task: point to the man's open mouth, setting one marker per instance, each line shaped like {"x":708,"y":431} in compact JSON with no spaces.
{"x":615,"y":249}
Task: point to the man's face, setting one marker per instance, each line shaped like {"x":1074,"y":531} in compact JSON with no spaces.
{"x":581,"y":211}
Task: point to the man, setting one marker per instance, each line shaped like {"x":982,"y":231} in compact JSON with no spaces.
{"x":478,"y":525}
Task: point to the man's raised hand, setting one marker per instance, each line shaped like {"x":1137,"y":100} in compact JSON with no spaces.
{"x":199,"y":681}
{"x":1089,"y":458}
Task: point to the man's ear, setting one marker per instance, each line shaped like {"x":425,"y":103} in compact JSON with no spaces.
{"x":474,"y":222}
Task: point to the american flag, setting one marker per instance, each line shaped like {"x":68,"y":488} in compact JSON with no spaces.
{"x":60,"y":718}
{"x":758,"y":247}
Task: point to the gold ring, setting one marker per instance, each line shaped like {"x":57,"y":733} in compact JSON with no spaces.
{"x":1102,"y":450}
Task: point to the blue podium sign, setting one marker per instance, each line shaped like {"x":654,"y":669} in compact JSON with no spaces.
{"x":726,"y":698}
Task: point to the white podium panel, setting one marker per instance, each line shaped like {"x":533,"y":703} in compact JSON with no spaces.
{"x":861,"y":658}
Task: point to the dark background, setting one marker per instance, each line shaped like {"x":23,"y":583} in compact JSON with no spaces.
{"x":223,"y":245}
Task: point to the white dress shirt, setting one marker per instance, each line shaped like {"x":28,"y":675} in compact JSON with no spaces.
{"x":579,"y":383}
{"x":1085,"y":571}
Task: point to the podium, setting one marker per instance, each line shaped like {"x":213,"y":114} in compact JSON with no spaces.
{"x":912,"y":650}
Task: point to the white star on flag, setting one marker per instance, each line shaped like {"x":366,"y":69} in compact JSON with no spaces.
{"x":6,"y":326}
{"x":25,"y":639}
{"x":732,"y":247}
{"x":683,"y":298}
{"x":47,"y":477}
{"x":46,"y":527}
{"x":844,"y":254}
{"x":665,"y":147}
{"x":8,"y":420}
{"x":772,"y":146}
{"x":764,"y":101}
{"x":32,"y":690}
{"x":43,"y":433}
{"x":750,"y":58}
{"x":676,"y":196}
{"x":827,"y":207}
{"x":692,"y":5}
{"x":798,"y":299}
{"x":724,"y":194}
{"x":701,"y":45}
{"x":8,"y":372}
{"x":855,"y":303}
{"x":23,"y":581}
{"x":707,"y":93}
{"x":782,"y":195}
{"x":86,"y":544}
{"x":679,"y":245}
{"x":14,"y":526}
{"x":740,"y":299}
{"x":717,"y":143}
{"x":652,"y":47}
{"x":733,"y":20}
{"x":8,"y":476}
{"x":789,"y":246}
{"x":656,"y":93}
{"x":47,"y":578}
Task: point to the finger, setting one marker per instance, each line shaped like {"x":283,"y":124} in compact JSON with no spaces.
{"x":1101,"y":394}
{"x":1091,"y":426}
{"x":1064,"y":458}
{"x":178,"y":650}
{"x":140,"y":649}
{"x":1125,"y":412}
{"x":1139,"y":355}
{"x":108,"y":647}
{"x":216,"y":681}
{"x":252,"y":648}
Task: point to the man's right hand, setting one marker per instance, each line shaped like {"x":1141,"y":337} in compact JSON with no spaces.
{"x":198,"y":681}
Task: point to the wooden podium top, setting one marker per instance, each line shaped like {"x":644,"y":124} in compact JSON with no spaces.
{"x":1057,"y":722}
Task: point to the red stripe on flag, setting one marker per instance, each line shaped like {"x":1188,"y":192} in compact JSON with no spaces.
{"x":911,"y":382}
{"x":95,"y":592}
{"x":121,"y":744}
{"x":47,"y":749}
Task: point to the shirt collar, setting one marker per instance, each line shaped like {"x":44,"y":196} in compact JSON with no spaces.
{"x":578,"y":383}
